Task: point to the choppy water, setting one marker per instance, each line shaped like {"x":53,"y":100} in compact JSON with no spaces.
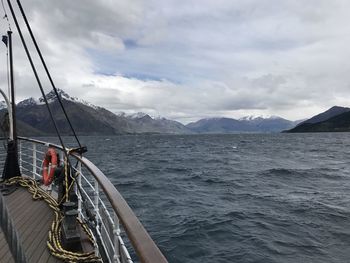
{"x":236,"y":198}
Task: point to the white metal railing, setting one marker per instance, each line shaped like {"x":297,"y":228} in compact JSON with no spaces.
{"x":31,"y":155}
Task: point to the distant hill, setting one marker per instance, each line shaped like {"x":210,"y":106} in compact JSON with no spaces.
{"x":22,"y":128}
{"x":147,"y":124}
{"x":245,"y":124}
{"x":87,"y":119}
{"x":334,"y":111}
{"x":219,"y":125}
{"x":335,"y":119}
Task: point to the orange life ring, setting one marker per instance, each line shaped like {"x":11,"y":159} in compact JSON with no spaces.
{"x":50,"y":157}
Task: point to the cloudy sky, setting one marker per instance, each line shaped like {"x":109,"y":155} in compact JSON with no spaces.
{"x":189,"y":59}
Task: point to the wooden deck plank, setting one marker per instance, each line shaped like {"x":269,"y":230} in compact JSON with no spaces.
{"x":37,"y":220}
{"x":34,"y":255}
{"x":27,"y":215}
{"x":19,"y":195}
{"x":4,"y":248}
{"x":8,"y":257}
{"x":41,"y":237}
{"x":15,"y":199}
{"x":32,"y":220}
{"x":17,"y":203}
{"x":25,"y":222}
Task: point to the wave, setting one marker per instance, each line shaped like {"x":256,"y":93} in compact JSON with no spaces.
{"x":203,"y":200}
{"x":329,"y":173}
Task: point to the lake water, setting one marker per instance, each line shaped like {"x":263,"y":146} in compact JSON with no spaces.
{"x":236,"y":198}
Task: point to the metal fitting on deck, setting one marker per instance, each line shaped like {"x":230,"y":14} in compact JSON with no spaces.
{"x":70,"y":232}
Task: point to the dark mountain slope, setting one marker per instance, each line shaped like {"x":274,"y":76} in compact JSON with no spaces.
{"x":334,"y":111}
{"x":339,"y":123}
{"x":87,"y":119}
{"x":84,"y":119}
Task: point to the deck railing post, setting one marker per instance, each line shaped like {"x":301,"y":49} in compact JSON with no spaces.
{"x":116,"y":233}
{"x":20,"y":155}
{"x":34,"y":160}
{"x":97,"y":213}
{"x":78,"y":192}
{"x":144,"y":246}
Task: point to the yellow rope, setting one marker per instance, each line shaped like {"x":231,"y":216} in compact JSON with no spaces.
{"x":54,"y":240}
{"x":68,"y":187}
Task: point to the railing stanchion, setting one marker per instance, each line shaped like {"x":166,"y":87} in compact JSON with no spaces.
{"x":107,"y":233}
{"x":20,"y":156}
{"x":116,"y":233}
{"x":34,"y":160}
{"x":97,"y":213}
{"x":78,"y":192}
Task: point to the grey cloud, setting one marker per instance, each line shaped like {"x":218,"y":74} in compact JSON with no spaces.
{"x":189,"y":59}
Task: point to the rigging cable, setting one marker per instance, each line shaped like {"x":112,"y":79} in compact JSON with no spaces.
{"x":5,"y":16}
{"x":38,"y":81}
{"x":7,"y":227}
{"x":46,"y":69}
{"x":44,"y":97}
{"x":7,"y":48}
{"x":8,"y":70}
{"x":65,"y":151}
{"x":49,"y":77}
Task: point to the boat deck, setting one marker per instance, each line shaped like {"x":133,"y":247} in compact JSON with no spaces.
{"x":32,"y":219}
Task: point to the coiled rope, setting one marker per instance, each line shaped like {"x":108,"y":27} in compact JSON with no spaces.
{"x":54,"y":239}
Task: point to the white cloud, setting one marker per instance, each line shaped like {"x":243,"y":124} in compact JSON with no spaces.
{"x":192,"y":59}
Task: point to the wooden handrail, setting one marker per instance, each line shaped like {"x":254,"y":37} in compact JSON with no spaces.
{"x":145,"y":248}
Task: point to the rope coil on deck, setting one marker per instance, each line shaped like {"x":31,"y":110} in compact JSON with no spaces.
{"x":54,"y":240}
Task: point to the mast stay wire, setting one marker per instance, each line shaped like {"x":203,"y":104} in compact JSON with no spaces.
{"x":46,"y":69}
{"x":38,"y":81}
{"x":44,"y":96}
{"x":7,"y":48}
{"x":65,"y":151}
{"x":5,"y":15}
{"x":11,"y":234}
{"x":7,"y":70}
{"x":40,"y":87}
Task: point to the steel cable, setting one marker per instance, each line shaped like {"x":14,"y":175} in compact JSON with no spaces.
{"x":38,"y":80}
{"x":46,"y":69}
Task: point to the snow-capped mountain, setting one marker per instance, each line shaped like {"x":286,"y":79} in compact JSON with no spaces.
{"x":51,"y":97}
{"x":87,"y":118}
{"x":137,"y":115}
{"x":93,"y":120}
{"x":28,"y":102}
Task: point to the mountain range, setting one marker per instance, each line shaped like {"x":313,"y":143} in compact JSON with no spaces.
{"x":247,"y":124}
{"x":87,"y":119}
{"x":335,"y":119}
